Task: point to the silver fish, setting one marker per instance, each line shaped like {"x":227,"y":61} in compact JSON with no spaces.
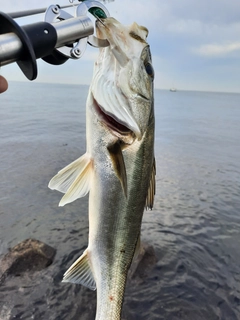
{"x":118,"y":167}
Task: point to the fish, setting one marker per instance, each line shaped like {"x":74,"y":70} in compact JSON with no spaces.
{"x":118,"y":169}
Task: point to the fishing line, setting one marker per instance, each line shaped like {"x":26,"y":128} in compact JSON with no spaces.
{"x":99,"y":20}
{"x":72,"y":3}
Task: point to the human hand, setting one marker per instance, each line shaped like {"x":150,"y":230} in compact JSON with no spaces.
{"x":3,"y":84}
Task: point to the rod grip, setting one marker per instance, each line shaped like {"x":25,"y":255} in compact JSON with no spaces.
{"x":42,"y":36}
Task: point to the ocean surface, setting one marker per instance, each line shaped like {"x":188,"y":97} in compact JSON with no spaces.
{"x":194,"y":227}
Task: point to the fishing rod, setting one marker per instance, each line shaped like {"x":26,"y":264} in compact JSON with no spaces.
{"x":25,"y":13}
{"x":56,"y":39}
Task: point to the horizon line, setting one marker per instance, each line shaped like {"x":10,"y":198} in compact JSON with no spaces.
{"x":156,"y":88}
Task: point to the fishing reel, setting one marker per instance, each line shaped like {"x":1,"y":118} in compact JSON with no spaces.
{"x":60,"y":37}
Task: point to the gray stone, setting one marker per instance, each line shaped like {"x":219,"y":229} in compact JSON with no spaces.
{"x":29,"y":255}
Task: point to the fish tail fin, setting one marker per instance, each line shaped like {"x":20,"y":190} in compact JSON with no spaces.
{"x":80,"y":272}
{"x":73,"y":180}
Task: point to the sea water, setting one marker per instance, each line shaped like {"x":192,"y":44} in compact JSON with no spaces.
{"x":194,"y":227}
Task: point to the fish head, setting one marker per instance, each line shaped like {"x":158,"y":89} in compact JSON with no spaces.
{"x":122,"y":84}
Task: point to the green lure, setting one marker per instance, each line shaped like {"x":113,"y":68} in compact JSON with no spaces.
{"x":97,"y":12}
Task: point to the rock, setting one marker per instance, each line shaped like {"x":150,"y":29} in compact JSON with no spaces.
{"x":29,"y":255}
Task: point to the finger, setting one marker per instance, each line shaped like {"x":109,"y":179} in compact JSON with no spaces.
{"x":3,"y":84}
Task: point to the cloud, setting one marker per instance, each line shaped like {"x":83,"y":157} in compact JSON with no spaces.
{"x":187,"y":27}
{"x":217,"y":50}
{"x":189,"y":40}
{"x":214,"y":11}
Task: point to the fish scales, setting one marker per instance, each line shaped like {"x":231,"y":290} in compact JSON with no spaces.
{"x":118,"y":168}
{"x":118,"y":230}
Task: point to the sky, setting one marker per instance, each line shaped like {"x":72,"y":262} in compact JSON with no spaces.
{"x":195,"y":44}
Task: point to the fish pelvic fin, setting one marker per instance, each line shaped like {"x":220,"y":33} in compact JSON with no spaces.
{"x":116,"y":155}
{"x":73,"y":180}
{"x":80,"y":272}
{"x":151,"y":188}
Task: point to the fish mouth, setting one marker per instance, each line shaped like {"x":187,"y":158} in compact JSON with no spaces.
{"x":112,"y":122}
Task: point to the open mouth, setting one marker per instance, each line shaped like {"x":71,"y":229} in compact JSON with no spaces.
{"x":111,"y":122}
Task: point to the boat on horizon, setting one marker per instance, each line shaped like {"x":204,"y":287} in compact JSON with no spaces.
{"x":173,"y":89}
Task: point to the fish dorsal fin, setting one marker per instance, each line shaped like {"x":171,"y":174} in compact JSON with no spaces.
{"x":151,"y":188}
{"x":80,"y":272}
{"x":116,"y":155}
{"x":137,"y":249}
{"x":137,"y":257}
{"x":73,"y":180}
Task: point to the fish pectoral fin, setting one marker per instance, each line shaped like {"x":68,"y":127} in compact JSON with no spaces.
{"x":80,"y":272}
{"x":116,"y":155}
{"x":73,"y":180}
{"x":151,"y":188}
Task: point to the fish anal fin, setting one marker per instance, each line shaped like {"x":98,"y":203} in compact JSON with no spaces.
{"x":80,"y":272}
{"x":151,"y":188}
{"x":116,"y":155}
{"x":73,"y":180}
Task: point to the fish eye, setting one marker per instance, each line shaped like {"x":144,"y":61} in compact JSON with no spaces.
{"x":149,"y":69}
